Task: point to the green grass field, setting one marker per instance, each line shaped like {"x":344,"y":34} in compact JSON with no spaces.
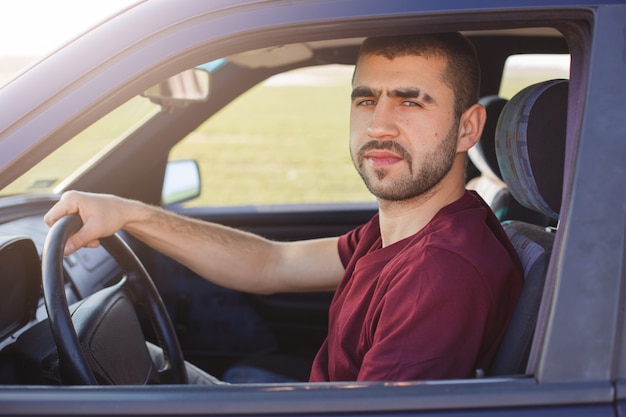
{"x":277,"y":144}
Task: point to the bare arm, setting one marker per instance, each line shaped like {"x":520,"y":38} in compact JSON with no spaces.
{"x":225,"y":256}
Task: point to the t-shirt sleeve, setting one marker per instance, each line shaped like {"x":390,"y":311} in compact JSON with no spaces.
{"x":348,"y":243}
{"x":346,"y":246}
{"x":430,"y":322}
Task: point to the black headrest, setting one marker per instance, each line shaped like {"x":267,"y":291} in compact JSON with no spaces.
{"x":483,"y":154}
{"x":530,"y":145}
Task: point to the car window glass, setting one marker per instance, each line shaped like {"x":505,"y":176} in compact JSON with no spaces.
{"x":63,"y":162}
{"x":523,"y":70}
{"x":284,"y":141}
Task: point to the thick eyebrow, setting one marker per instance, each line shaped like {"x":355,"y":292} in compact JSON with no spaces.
{"x":413,"y":93}
{"x":361,"y":91}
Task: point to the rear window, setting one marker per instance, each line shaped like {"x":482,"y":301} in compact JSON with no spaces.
{"x":523,"y":70}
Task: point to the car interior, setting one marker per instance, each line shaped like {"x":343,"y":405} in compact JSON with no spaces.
{"x":106,"y":302}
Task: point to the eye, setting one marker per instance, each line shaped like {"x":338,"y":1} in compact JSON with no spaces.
{"x":409,"y":103}
{"x":365,"y":102}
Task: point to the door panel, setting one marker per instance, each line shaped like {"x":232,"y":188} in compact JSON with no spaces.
{"x":217,"y":326}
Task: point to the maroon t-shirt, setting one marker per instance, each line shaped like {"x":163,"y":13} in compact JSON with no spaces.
{"x":432,"y":306}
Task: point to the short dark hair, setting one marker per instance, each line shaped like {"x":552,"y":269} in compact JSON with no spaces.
{"x":462,"y":69}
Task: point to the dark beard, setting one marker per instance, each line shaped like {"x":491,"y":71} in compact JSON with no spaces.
{"x":434,"y":168}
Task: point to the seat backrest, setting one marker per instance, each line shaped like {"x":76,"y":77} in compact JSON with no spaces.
{"x":530,"y":146}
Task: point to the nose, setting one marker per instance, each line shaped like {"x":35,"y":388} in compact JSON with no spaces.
{"x":382,"y":124}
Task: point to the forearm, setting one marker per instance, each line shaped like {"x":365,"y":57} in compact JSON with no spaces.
{"x":228,"y":257}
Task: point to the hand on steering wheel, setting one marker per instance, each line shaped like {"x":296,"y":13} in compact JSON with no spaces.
{"x":101,"y":340}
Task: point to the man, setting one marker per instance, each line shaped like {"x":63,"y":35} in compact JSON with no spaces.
{"x":424,"y":290}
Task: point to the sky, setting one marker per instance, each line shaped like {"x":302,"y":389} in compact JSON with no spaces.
{"x":36,"y":27}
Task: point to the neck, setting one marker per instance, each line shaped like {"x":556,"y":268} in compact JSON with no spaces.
{"x":401,"y":219}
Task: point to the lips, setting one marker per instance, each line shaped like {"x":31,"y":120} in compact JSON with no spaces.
{"x":381,"y":154}
{"x":381,"y":158}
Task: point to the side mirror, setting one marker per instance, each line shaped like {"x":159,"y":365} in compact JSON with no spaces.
{"x":189,"y":86}
{"x":181,"y":182}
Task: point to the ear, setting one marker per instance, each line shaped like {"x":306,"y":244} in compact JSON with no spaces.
{"x":471,"y":127}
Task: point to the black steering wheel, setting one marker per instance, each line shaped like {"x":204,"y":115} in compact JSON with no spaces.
{"x":101,"y":340}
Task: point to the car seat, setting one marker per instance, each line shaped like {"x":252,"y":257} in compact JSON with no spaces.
{"x":530,"y":147}
{"x":489,"y":184}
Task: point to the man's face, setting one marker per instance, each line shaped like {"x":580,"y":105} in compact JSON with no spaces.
{"x":403,"y":131}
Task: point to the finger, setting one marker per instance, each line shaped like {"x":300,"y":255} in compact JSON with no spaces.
{"x":66,"y":205}
{"x":93,"y":244}
{"x":87,"y":236}
{"x":54,"y":214}
{"x":71,"y":246}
